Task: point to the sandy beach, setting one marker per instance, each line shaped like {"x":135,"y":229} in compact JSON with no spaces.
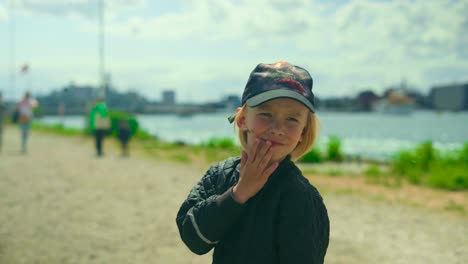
{"x":59,"y":203}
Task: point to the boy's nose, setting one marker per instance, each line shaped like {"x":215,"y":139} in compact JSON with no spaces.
{"x":277,"y":129}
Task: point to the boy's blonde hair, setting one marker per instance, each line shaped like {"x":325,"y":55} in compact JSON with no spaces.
{"x":307,"y":142}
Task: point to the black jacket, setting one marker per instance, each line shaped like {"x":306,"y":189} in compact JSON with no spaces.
{"x":285,"y":222}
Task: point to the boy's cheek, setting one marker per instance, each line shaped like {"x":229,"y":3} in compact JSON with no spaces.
{"x":258,"y":128}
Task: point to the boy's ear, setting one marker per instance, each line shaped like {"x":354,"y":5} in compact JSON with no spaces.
{"x":302,"y":135}
{"x":240,"y":121}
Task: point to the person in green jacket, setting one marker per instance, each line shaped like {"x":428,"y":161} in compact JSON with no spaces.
{"x":99,"y":124}
{"x":259,"y":208}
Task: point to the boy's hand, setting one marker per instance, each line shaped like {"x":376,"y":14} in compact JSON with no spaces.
{"x":255,"y":169}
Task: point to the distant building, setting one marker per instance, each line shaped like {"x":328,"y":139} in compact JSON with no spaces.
{"x":342,"y":104}
{"x":75,"y":100}
{"x":168,"y":97}
{"x":231,"y":102}
{"x":395,"y":102}
{"x":365,"y":100}
{"x":79,"y":93}
{"x":450,"y":97}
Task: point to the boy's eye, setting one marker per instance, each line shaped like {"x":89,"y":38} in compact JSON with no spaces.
{"x":265,"y":114}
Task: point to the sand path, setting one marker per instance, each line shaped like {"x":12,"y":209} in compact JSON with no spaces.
{"x":61,"y":204}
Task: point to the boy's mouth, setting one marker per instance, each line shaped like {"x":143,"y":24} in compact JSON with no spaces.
{"x":273,"y":143}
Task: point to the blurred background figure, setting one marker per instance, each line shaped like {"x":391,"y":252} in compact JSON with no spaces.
{"x":25,"y":114}
{"x":99,"y":124}
{"x":3,"y":114}
{"x":124,"y":134}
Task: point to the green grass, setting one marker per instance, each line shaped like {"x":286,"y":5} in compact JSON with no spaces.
{"x":373,"y":174}
{"x":219,"y":143}
{"x":310,"y":171}
{"x":143,"y":135}
{"x":57,"y":129}
{"x":453,"y":206}
{"x":334,"y":172}
{"x":180,"y":157}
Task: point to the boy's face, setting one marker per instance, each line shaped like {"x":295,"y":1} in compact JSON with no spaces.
{"x":280,"y":121}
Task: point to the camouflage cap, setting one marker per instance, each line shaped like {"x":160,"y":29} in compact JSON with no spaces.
{"x":278,"y":80}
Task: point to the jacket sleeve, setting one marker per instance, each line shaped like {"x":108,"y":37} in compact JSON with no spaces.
{"x":91,"y":119}
{"x":303,"y":228}
{"x":205,"y":216}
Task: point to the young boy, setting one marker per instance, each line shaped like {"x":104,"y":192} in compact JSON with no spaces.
{"x":259,"y":208}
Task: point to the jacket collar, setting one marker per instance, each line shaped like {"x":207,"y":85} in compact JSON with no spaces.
{"x":284,"y":169}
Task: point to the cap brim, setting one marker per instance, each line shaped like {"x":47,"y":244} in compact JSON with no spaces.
{"x":279,"y":93}
{"x":232,"y":117}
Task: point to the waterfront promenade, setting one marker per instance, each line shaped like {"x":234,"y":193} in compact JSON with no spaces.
{"x":61,"y":204}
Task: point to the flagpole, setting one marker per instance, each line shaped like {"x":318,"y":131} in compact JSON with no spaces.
{"x":12,"y":51}
{"x":102,"y":92}
{"x":30,"y":79}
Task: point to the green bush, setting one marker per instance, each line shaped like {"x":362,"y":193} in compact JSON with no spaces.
{"x":221,"y":143}
{"x":463,"y":154}
{"x":37,"y":111}
{"x":427,"y":166}
{"x":425,"y":155}
{"x":117,"y":116}
{"x":372,"y":171}
{"x":334,"y":149}
{"x":450,"y":178}
{"x":415,"y":176}
{"x":403,"y":162}
{"x":313,"y":156}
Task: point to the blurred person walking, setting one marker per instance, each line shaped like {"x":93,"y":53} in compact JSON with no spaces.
{"x":25,"y":114}
{"x":3,"y":114}
{"x":99,"y":124}
{"x":123,"y":134}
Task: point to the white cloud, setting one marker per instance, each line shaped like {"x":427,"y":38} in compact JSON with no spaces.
{"x":193,"y":79}
{"x":3,"y":13}
{"x":87,"y":9}
{"x":346,"y":46}
{"x":216,"y":20}
{"x":356,"y":44}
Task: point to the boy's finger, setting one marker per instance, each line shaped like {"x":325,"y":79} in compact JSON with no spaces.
{"x":270,"y":170}
{"x":262,"y":151}
{"x":253,"y":152}
{"x":243,"y":159}
{"x":265,"y":160}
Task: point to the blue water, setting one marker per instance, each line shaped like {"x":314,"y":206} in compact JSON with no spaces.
{"x":373,"y":135}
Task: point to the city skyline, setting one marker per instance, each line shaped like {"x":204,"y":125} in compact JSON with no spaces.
{"x":206,"y":49}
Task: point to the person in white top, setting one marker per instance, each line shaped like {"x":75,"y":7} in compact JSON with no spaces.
{"x":25,"y":110}
{"x":3,"y":116}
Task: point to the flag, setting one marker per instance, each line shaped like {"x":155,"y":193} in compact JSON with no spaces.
{"x":24,"y":68}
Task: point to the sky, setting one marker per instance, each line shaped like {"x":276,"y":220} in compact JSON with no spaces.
{"x":206,"y":49}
